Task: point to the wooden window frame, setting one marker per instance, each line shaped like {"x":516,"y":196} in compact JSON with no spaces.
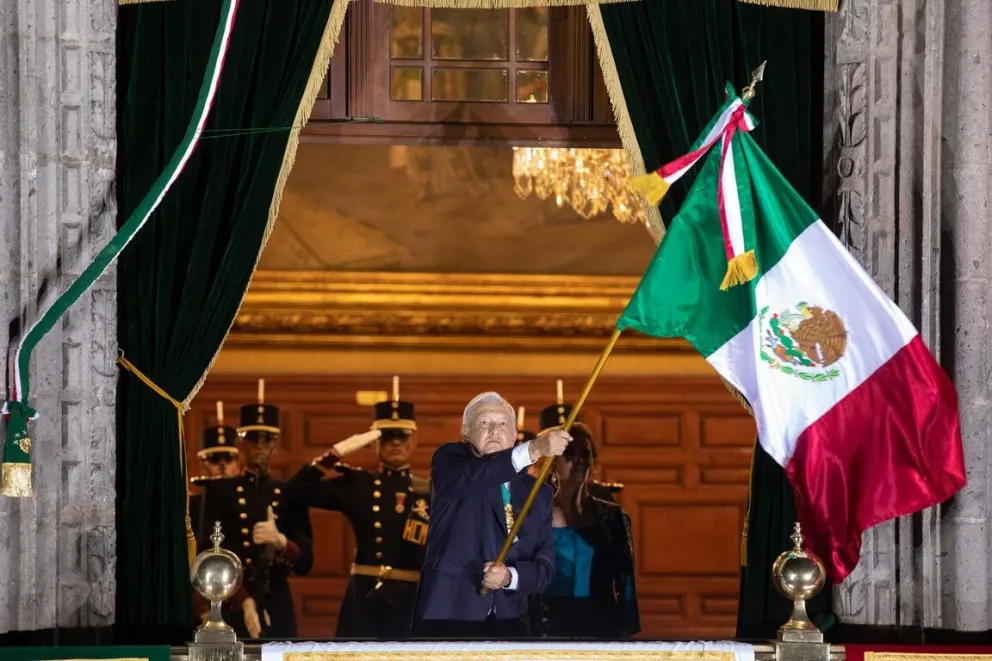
{"x":354,"y":106}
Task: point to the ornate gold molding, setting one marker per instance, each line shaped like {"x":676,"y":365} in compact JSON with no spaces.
{"x":410,"y":310}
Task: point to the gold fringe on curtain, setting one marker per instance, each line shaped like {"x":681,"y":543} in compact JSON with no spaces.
{"x":139,"y":2}
{"x":625,"y":127}
{"x":493,"y":4}
{"x":811,"y":5}
{"x":332,"y":31}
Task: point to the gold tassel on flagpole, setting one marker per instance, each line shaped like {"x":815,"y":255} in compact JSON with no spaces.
{"x":811,"y":5}
{"x":652,"y":187}
{"x":742,"y":268}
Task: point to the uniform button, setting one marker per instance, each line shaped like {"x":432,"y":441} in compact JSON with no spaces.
{"x":275,"y":503}
{"x":376,"y":494}
{"x":378,"y":540}
{"x":375,"y":508}
{"x":244,"y":531}
{"x":410,"y":489}
{"x":247,"y":544}
{"x":376,"y":525}
{"x":241,"y":489}
{"x":248,"y":561}
{"x":243,"y":515}
{"x":277,"y":491}
{"x":241,"y":501}
{"x":377,"y":482}
{"x":378,"y":555}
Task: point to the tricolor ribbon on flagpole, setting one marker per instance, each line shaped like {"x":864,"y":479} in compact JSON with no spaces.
{"x":732,"y":117}
{"x":15,"y":479}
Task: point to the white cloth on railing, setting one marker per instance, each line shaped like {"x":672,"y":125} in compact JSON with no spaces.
{"x":509,"y":651}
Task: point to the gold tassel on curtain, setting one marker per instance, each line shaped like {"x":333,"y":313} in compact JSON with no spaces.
{"x":811,"y":5}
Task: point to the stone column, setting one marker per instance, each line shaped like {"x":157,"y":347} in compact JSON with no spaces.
{"x":908,"y":91}
{"x":57,"y":208}
{"x":966,"y":205}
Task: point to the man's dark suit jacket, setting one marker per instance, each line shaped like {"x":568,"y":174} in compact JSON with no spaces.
{"x":467,"y":529}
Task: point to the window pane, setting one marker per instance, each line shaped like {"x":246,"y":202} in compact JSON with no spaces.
{"x":532,"y":86}
{"x":469,"y":85}
{"x":469,"y":34}
{"x":532,"y":34}
{"x":406,"y":84}
{"x":406,"y":36}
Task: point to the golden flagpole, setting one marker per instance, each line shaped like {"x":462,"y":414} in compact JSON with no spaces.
{"x":550,"y":462}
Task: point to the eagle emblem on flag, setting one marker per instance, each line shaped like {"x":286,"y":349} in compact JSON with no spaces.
{"x":803,"y":342}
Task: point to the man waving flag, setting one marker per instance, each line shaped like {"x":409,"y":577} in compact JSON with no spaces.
{"x":846,"y":396}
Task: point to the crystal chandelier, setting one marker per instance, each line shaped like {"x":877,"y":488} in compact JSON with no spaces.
{"x":589,"y":180}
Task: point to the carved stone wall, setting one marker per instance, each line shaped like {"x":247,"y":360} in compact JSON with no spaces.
{"x":966,"y":204}
{"x":907,"y":155}
{"x":57,"y":207}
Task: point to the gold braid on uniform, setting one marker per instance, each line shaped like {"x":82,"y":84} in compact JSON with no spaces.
{"x":180,"y":412}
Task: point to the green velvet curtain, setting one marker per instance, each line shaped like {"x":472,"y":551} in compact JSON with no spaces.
{"x":182,"y":279}
{"x":672,"y":60}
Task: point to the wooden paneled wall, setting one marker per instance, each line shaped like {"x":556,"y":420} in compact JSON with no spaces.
{"x":682,"y":447}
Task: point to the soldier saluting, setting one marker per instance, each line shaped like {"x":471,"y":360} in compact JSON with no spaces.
{"x":388,"y":511}
{"x":268,"y":531}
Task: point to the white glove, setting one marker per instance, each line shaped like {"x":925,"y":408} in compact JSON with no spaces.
{"x":356,"y":442}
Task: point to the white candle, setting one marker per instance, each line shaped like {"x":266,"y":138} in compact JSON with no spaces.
{"x":520,"y":418}
{"x":396,"y":388}
{"x":261,"y":391}
{"x":561,"y":396}
{"x":220,"y":413}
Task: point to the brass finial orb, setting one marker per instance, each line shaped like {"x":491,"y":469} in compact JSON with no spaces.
{"x":216,"y":574}
{"x":799,"y":575}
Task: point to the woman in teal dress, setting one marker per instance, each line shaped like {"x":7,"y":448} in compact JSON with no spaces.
{"x":592,"y":594}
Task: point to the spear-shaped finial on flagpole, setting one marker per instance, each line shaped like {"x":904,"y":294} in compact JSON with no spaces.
{"x":756,"y":77}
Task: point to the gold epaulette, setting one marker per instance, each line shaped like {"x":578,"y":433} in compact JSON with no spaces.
{"x":612,"y":487}
{"x":420,"y":485}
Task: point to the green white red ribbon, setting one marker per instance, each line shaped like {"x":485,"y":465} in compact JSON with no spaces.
{"x":20,"y":365}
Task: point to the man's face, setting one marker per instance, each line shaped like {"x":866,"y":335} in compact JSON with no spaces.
{"x":492,"y":429}
{"x":258,"y":447}
{"x":395,"y":447}
{"x":221,"y":464}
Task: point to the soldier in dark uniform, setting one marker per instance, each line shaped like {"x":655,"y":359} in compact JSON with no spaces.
{"x":388,"y":511}
{"x":219,"y":459}
{"x":264,"y":527}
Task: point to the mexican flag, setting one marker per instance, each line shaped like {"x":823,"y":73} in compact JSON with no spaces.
{"x":846,"y":396}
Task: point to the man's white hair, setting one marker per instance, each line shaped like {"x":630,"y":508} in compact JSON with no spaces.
{"x":481,"y":400}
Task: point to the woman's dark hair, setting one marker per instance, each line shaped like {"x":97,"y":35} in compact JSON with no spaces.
{"x":582,"y":435}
